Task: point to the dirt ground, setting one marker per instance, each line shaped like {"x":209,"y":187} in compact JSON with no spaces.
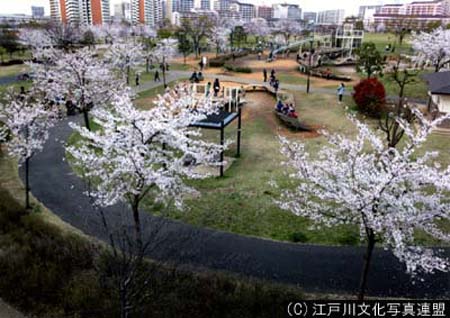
{"x":285,"y":66}
{"x":261,"y":105}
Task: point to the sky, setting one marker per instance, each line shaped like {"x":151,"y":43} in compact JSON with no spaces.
{"x":350,"y":6}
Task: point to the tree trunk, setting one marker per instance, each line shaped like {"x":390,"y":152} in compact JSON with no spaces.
{"x":128,"y":75}
{"x":86,"y":119}
{"x":147,"y":65}
{"x":27,"y":183}
{"x":367,"y":260}
{"x":164,"y":72}
{"x":123,"y":303}
{"x":137,"y":222}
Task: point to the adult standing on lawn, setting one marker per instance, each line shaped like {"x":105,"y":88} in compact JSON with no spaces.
{"x":156,"y":78}
{"x":265,"y":75}
{"x":216,"y":87}
{"x":138,"y":79}
{"x":272,"y":73}
{"x":341,"y":91}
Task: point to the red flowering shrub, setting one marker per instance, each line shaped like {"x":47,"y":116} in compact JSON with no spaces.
{"x":370,"y":97}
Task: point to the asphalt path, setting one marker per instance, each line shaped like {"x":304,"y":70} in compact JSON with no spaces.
{"x":316,"y":269}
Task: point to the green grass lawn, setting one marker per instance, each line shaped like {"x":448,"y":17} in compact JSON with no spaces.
{"x":417,"y":89}
{"x":243,"y":201}
{"x":292,"y":79}
{"x":13,"y":70}
{"x":383,"y":39}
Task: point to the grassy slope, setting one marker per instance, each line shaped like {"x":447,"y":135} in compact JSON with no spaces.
{"x":35,"y":247}
{"x":383,"y":39}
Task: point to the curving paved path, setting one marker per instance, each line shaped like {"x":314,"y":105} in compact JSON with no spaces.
{"x":316,"y":269}
{"x":319,"y":269}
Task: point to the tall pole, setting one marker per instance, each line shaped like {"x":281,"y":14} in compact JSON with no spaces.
{"x":164,"y":71}
{"x":222,"y":142}
{"x":239,"y":132}
{"x":308,"y":81}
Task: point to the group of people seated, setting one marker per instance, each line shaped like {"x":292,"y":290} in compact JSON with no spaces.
{"x":196,"y":77}
{"x":286,"y":109}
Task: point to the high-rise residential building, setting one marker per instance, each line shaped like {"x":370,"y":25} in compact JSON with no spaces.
{"x":206,"y":4}
{"x":414,"y":15}
{"x":265,"y":12}
{"x":246,"y":10}
{"x":367,"y":14}
{"x":331,"y":17}
{"x":287,"y":11}
{"x":122,"y":11}
{"x":89,"y":12}
{"x":147,"y":12}
{"x":37,"y":12}
{"x":186,"y":5}
{"x":310,"y":17}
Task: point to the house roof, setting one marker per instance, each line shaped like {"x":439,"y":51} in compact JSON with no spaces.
{"x":438,"y":83}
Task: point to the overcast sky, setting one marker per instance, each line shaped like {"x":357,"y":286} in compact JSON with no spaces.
{"x":350,"y":6}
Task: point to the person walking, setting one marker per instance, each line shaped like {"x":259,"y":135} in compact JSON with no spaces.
{"x":216,"y":87}
{"x":272,"y":73}
{"x":156,"y":78}
{"x":138,"y":79}
{"x":208,"y":89}
{"x":259,"y":56}
{"x":340,"y":92}
{"x":276,"y":85}
{"x":265,"y":75}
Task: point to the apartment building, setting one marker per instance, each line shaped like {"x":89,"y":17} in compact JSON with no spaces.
{"x":331,"y":17}
{"x":414,"y":15}
{"x":89,"y":12}
{"x":149,"y":12}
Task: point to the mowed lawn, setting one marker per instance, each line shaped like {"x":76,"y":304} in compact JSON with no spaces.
{"x":383,"y":39}
{"x":243,"y":201}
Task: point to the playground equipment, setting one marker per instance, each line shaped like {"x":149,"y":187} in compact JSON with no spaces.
{"x":229,"y":112}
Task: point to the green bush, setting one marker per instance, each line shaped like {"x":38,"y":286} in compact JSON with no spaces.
{"x":221,"y":60}
{"x":237,"y":69}
{"x":348,"y":237}
{"x":243,"y":70}
{"x":299,"y":237}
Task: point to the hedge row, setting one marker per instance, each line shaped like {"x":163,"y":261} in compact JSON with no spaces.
{"x":222,"y":59}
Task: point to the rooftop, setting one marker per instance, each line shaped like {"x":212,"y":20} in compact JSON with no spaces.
{"x":438,"y":83}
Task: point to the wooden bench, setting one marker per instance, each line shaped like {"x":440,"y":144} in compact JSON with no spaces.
{"x":291,"y":123}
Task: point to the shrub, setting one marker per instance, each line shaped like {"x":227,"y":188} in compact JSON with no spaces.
{"x":243,"y":69}
{"x":370,"y":97}
{"x":349,"y":237}
{"x":299,"y":237}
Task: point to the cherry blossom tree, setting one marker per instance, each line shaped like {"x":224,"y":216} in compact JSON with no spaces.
{"x":287,"y":28}
{"x":40,"y":44}
{"x":80,"y":78}
{"x":258,"y":27}
{"x":25,"y":130}
{"x":124,"y":56}
{"x":139,"y":154}
{"x":433,"y":47}
{"x":389,"y":193}
{"x":220,"y":37}
{"x":164,"y":50}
